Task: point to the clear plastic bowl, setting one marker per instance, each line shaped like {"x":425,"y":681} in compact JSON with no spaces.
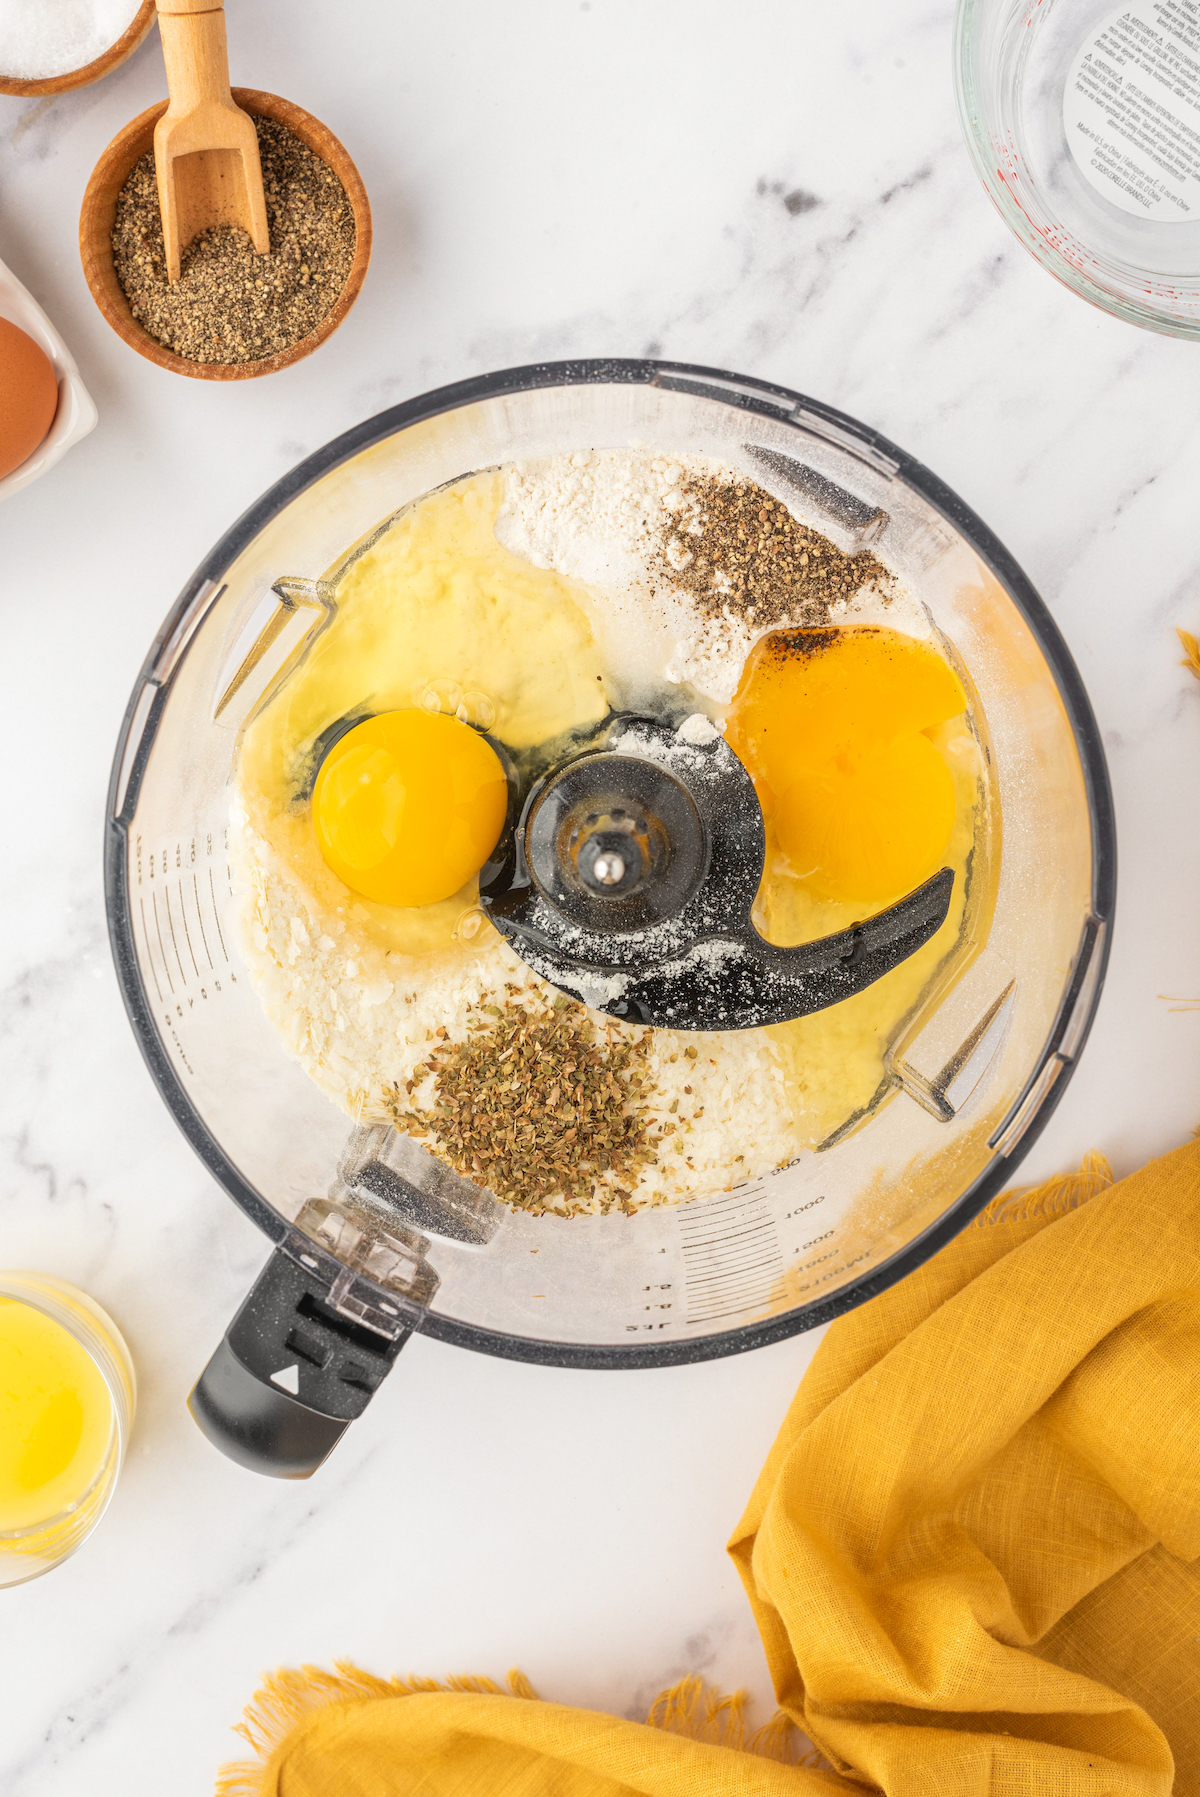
{"x":1078,"y":161}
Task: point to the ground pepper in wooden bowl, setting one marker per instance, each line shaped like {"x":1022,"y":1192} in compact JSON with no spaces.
{"x":229,"y":304}
{"x":318,"y":216}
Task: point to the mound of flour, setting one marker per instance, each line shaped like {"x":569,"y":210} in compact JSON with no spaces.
{"x":596,"y":517}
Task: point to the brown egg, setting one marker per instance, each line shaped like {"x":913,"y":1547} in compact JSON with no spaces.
{"x":28,"y":396}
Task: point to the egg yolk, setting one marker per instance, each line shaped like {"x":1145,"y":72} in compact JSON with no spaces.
{"x":407,"y":806}
{"x":833,"y":728}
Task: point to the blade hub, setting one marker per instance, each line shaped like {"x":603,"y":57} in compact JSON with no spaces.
{"x":615,"y":842}
{"x":611,"y":854}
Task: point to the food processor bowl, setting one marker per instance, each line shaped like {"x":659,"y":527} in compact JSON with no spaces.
{"x":373,"y":1238}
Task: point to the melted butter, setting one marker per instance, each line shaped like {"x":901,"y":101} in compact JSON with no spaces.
{"x":436,"y":599}
{"x":56,"y":1417}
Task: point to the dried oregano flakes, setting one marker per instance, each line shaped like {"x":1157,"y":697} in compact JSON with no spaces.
{"x":542,"y":1107}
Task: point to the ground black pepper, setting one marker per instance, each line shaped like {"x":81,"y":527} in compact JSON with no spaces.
{"x":731,"y":545}
{"x":230,"y":305}
{"x":537,"y":1106}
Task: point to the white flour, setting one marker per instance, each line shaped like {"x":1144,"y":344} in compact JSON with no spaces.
{"x":593,"y":517}
{"x":40,"y":39}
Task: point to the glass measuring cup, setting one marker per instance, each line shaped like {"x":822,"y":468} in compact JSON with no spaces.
{"x":1083,"y":122}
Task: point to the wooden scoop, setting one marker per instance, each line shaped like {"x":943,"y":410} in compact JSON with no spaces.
{"x":205,"y":146}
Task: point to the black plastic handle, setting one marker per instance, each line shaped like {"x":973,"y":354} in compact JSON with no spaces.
{"x":290,"y":1375}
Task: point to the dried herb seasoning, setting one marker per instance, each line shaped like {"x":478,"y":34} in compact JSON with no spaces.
{"x":540,"y":1107}
{"x":230,"y":305}
{"x":730,"y":545}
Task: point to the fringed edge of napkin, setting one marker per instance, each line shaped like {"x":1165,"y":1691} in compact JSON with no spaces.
{"x":690,"y":1708}
{"x":702,"y":1713}
{"x":1054,"y":1198}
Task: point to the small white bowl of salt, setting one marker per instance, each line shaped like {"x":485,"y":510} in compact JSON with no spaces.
{"x":51,"y":46}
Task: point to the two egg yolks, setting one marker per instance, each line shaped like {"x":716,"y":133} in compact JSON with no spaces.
{"x":408,"y":806}
{"x":832,"y":726}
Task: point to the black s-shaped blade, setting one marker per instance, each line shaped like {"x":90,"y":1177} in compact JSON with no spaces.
{"x":633,"y":874}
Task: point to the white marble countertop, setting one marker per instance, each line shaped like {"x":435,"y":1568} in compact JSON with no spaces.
{"x":780,"y":190}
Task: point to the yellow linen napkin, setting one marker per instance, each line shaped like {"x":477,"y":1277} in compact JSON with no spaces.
{"x":971,"y":1555}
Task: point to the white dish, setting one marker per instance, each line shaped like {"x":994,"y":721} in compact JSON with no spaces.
{"x":76,"y":414}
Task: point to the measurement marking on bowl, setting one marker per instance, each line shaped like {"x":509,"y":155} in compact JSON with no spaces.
{"x":149,"y":956}
{"x":731,"y":1257}
{"x":161,"y":950}
{"x":200,"y":920}
{"x":209,"y":927}
{"x":187,"y":933}
{"x":174,"y":938}
{"x":217,"y":915}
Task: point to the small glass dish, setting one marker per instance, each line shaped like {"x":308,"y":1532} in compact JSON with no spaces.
{"x":1083,"y":122}
{"x":47,"y":1510}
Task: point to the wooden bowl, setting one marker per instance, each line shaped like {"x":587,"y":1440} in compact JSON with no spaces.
{"x":100,"y":210}
{"x":130,"y":40}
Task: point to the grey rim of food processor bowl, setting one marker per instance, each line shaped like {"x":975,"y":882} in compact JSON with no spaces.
{"x":1054,"y":1064}
{"x":983,"y":124}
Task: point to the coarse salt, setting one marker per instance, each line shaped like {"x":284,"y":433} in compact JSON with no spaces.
{"x":40,"y":39}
